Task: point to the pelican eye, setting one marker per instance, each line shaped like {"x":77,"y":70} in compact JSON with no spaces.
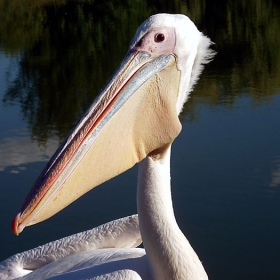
{"x":159,"y":37}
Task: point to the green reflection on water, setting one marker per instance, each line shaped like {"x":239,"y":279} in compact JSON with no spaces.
{"x":68,"y":49}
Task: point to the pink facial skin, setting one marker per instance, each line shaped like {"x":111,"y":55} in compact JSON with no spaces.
{"x":158,"y":41}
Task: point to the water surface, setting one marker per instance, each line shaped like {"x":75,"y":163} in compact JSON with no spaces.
{"x":226,"y":161}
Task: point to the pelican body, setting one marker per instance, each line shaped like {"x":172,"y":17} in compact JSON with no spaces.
{"x":133,"y":120}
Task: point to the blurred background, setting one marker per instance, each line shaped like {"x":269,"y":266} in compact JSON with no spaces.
{"x":55,"y":56}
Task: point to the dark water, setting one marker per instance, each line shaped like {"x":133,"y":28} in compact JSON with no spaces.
{"x":54,"y":58}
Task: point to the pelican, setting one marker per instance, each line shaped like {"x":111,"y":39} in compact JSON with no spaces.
{"x":133,"y":120}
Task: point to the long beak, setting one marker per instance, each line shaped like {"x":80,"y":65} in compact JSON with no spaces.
{"x":133,"y":116}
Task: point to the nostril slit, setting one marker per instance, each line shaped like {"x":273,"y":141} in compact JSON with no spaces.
{"x":139,"y":43}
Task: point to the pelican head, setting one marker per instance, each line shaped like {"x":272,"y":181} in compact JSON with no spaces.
{"x":134,"y":115}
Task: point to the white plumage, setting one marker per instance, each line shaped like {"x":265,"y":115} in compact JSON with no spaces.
{"x":81,"y":250}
